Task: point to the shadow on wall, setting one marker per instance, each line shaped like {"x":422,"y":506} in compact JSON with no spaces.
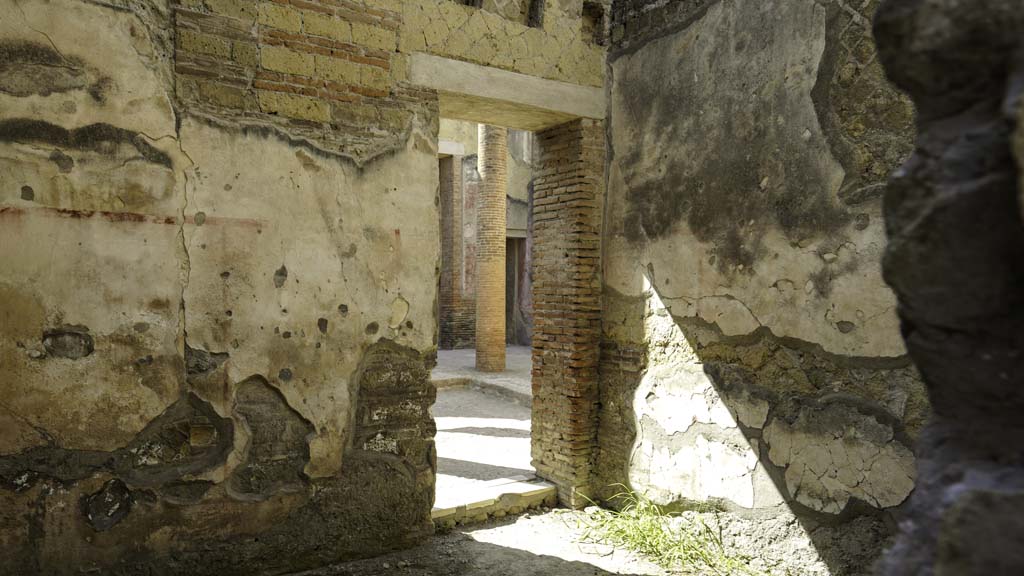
{"x":802,"y":448}
{"x":750,"y":352}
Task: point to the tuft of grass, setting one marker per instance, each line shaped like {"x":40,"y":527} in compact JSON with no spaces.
{"x":667,"y":539}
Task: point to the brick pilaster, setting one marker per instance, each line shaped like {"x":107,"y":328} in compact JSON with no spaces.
{"x":567,"y":213}
{"x":490,"y":253}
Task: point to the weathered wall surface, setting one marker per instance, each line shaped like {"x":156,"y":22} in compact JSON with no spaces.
{"x":557,"y":49}
{"x":217,"y":311}
{"x":751,"y":353}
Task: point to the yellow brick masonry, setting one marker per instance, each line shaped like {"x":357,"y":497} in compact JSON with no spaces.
{"x":329,"y":61}
{"x":309,"y":60}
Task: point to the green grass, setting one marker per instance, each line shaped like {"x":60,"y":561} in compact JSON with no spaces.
{"x":672,"y":541}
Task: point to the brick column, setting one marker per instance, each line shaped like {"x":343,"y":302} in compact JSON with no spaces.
{"x":490,"y":252}
{"x":567,"y":212}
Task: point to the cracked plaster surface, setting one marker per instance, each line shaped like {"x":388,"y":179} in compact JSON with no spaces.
{"x":360,"y":250}
{"x":825,"y":289}
{"x":126,"y":285}
{"x":161,"y":255}
{"x":557,"y":52}
{"x":827,"y":465}
{"x":696,"y":440}
{"x":689,"y":445}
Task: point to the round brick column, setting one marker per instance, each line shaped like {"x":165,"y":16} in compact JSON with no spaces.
{"x":490,"y":249}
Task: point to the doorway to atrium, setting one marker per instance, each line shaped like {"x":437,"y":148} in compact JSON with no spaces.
{"x":483,"y":417}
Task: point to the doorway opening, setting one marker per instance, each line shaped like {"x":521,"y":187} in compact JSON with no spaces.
{"x":484,"y":418}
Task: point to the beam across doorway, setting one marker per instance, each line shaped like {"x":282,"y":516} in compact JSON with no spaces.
{"x":501,"y":98}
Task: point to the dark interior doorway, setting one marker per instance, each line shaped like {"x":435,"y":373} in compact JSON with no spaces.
{"x":518,"y":313}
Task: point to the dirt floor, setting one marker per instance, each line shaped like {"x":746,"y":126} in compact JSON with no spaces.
{"x":542,"y":544}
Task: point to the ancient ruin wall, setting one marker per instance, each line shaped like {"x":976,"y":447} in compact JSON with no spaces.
{"x":751,"y":356}
{"x":220,"y":248}
{"x":218,"y":325}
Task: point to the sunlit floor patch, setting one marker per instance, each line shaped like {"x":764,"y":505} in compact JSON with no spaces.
{"x":483,"y":456}
{"x":547,"y":544}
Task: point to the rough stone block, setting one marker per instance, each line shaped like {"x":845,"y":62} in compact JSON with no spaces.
{"x":354,"y":114}
{"x":241,"y":9}
{"x":245,"y":53}
{"x":300,"y":107}
{"x":337,"y":70}
{"x":223,"y":95}
{"x":376,"y":78}
{"x":200,"y":43}
{"x":329,"y":27}
{"x":280,"y":59}
{"x":279,"y":16}
{"x":374,"y":37}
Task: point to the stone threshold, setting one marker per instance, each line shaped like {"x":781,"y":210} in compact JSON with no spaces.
{"x":496,"y":499}
{"x":485,"y":387}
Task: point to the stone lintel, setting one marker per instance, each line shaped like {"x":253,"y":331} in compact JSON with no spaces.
{"x":501,"y":98}
{"x":447,"y":148}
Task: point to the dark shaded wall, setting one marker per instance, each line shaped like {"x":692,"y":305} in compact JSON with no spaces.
{"x":955,"y":259}
{"x":518,"y":315}
{"x":751,"y":355}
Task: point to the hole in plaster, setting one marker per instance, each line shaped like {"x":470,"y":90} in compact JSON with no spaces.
{"x":594,"y":23}
{"x":535,"y":14}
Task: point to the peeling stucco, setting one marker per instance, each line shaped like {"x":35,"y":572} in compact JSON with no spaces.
{"x":832,"y":454}
{"x":751,"y":354}
{"x":183,"y":322}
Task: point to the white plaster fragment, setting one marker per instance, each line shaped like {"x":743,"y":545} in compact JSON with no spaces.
{"x":399,"y":311}
{"x":858,"y":459}
{"x":732,"y":316}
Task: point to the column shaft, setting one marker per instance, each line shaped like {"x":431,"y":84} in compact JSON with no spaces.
{"x":490,"y":249}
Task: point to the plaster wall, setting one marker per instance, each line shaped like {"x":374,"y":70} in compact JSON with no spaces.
{"x":751,"y":355}
{"x":217,"y":311}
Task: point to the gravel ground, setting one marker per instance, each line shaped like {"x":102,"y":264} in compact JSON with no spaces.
{"x":544,"y":544}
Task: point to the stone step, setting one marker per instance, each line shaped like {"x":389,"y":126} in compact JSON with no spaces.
{"x":499,"y":389}
{"x":495,"y":499}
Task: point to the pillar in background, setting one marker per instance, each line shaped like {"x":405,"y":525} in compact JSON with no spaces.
{"x":567,"y":212}
{"x":490,"y":252}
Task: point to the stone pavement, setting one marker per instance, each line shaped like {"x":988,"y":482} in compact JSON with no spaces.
{"x":458,"y":368}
